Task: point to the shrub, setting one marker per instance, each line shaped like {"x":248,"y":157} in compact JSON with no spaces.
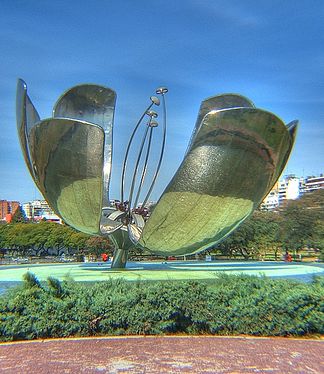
{"x":226,"y":306}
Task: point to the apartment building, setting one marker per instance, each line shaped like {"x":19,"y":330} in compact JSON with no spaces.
{"x":314,"y":183}
{"x":39,"y":209}
{"x":8,"y":209}
{"x":271,"y":201}
{"x":291,"y":188}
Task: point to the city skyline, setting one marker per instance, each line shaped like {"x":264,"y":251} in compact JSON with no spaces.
{"x":267,"y":52}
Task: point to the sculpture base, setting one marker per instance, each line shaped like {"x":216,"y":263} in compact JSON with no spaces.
{"x":120,"y":258}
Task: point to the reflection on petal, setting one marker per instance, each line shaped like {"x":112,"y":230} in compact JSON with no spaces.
{"x":292,"y":128}
{"x":111,"y":220}
{"x":121,"y":239}
{"x":87,"y":102}
{"x":27,"y":117}
{"x":219,"y":102}
{"x":189,"y":222}
{"x":68,"y":158}
{"x":229,"y":166}
{"x":94,"y":104}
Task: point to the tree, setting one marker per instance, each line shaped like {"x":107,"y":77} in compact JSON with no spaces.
{"x":41,"y":238}
{"x":239,"y":242}
{"x":267,"y":233}
{"x":257,"y":236}
{"x":98,"y":245}
{"x":302,"y":222}
{"x":19,"y":216}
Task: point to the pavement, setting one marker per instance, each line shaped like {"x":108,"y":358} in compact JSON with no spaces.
{"x":171,"y":270}
{"x":164,"y":354}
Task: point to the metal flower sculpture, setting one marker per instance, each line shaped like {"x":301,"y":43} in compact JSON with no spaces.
{"x":236,"y":154}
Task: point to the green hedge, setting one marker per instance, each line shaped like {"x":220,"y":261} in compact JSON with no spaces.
{"x":227,"y":306}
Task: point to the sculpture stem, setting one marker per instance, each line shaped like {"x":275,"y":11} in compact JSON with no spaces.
{"x":136,"y":170}
{"x":161,"y":153}
{"x":122,"y":184}
{"x":144,"y":168}
{"x":120,"y":258}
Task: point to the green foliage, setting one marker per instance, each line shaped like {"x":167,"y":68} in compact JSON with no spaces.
{"x":98,"y":245}
{"x":55,"y":287}
{"x":299,"y":225}
{"x":19,"y":216}
{"x":258,"y":235}
{"x":229,"y":305}
{"x":30,"y":280}
{"x":44,"y":238}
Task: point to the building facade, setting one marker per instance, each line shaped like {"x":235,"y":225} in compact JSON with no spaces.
{"x":8,"y":209}
{"x":271,"y":201}
{"x":37,"y":210}
{"x":314,"y":183}
{"x":291,"y":188}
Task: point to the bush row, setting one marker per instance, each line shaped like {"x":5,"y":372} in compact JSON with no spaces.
{"x":227,"y":306}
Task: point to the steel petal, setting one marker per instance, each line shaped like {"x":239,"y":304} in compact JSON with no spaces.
{"x":292,"y":129}
{"x":218,"y":102}
{"x":95,"y":104}
{"x":68,"y":159}
{"x":27,"y":117}
{"x":230,"y":165}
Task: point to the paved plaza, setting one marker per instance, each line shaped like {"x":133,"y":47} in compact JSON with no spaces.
{"x":176,"y":354}
{"x":174,"y":270}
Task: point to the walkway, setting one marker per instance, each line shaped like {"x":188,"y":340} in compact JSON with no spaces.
{"x":204,"y":354}
{"x":11,"y":275}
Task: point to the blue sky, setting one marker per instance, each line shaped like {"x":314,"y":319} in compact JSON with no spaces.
{"x":270,"y":51}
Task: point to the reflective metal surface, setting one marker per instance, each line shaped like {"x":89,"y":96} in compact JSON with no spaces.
{"x":160,"y":91}
{"x":95,"y":104}
{"x":111,"y":220}
{"x":68,"y":159}
{"x":122,"y":245}
{"x":27,"y":117}
{"x":136,"y":186}
{"x":219,"y":102}
{"x":232,"y":162}
{"x":235,"y":156}
{"x":147,"y":111}
{"x":292,"y":128}
{"x":151,"y":125}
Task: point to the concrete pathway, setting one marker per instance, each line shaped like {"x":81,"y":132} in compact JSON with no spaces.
{"x":176,"y":354}
{"x":177,"y":270}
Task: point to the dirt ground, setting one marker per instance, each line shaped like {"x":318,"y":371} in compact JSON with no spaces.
{"x":176,"y":354}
